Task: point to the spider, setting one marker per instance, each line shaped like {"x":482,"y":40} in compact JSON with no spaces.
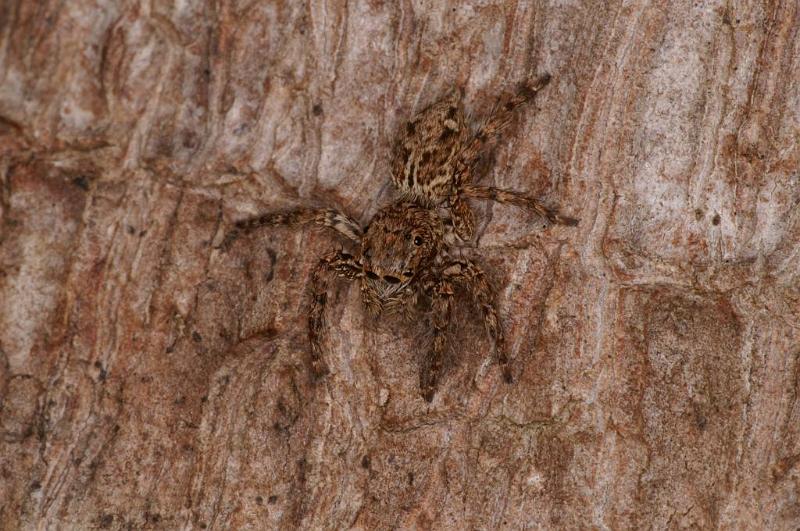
{"x":403,"y":256}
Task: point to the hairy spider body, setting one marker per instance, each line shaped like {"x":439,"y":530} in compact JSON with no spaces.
{"x":403,"y":253}
{"x":435,"y":160}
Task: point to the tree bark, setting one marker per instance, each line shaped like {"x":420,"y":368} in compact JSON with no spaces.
{"x":148,"y":380}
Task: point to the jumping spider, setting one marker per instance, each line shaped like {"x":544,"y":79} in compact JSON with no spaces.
{"x":404,"y":252}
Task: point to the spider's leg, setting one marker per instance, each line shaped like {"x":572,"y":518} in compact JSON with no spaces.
{"x":325,"y":217}
{"x":340,"y":264}
{"x":485,"y":136}
{"x":471,"y":278}
{"x":462,"y":218}
{"x":499,"y":119}
{"x":520,"y":199}
{"x":441,"y":310}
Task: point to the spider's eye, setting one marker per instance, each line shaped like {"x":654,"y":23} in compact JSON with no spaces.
{"x":372,"y":275}
{"x":417,"y":241}
{"x":408,"y":274}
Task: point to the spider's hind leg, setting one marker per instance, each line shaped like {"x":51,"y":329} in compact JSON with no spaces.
{"x":519,"y":199}
{"x":499,"y":119}
{"x":484,"y":137}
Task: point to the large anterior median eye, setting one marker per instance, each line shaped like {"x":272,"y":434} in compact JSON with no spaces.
{"x":418,"y":241}
{"x":372,"y":275}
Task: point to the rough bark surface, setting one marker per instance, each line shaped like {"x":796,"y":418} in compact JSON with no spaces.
{"x":148,"y":380}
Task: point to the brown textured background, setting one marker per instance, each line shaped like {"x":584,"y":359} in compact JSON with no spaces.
{"x":147,"y":380}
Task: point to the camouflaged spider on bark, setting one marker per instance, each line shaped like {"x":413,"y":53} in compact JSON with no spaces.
{"x":403,"y":256}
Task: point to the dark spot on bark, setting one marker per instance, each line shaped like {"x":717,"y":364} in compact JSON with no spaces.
{"x":190,"y":140}
{"x":81,"y":182}
{"x":715,"y":220}
{"x":273,"y":257}
{"x":106,"y":520}
{"x":316,"y":109}
{"x":365,"y":462}
{"x":272,"y":499}
{"x":197,"y":338}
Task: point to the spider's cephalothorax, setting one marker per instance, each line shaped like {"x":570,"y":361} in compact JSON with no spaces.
{"x":399,"y":248}
{"x":403,"y":253}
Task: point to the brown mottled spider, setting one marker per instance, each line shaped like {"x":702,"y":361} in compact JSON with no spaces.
{"x":404,"y":253}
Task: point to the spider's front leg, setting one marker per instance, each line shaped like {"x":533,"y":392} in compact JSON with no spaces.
{"x":335,"y":263}
{"x":324,"y":217}
{"x":441,"y":294}
{"x":468,"y":275}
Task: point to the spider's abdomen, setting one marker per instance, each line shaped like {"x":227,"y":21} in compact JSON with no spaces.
{"x":426,"y":163}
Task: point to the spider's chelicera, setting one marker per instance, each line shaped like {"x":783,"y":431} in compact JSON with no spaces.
{"x":404,"y":252}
